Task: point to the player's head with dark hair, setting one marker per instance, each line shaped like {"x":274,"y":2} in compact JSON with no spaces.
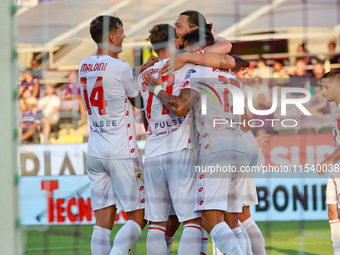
{"x":240,"y":64}
{"x":196,"y":19}
{"x":196,"y":41}
{"x":103,"y":25}
{"x":188,"y":21}
{"x":331,"y":86}
{"x":241,"y":67}
{"x":161,"y":35}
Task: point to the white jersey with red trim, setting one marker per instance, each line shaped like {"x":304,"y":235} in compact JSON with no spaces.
{"x":166,"y":132}
{"x":336,"y":127}
{"x":218,"y":128}
{"x":106,"y":84}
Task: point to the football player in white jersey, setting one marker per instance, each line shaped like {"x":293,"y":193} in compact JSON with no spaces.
{"x":168,"y":152}
{"x":331,"y":90}
{"x":215,"y":201}
{"x":257,"y":246}
{"x":113,"y":163}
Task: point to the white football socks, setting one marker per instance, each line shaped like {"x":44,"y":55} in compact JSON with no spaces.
{"x":335,"y":235}
{"x":225,"y":240}
{"x":204,"y":247}
{"x":191,"y":240}
{"x":246,"y":236}
{"x":256,"y":237}
{"x":100,"y":241}
{"x":155,"y":241}
{"x":126,"y":237}
{"x":169,"y":240}
{"x":241,"y":239}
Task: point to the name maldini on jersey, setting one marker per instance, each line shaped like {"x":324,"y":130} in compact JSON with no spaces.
{"x":93,"y":67}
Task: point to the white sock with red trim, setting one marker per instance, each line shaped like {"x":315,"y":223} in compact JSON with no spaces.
{"x":204,"y":247}
{"x":100,"y":241}
{"x":155,"y":241}
{"x":126,"y":237}
{"x":225,"y":240}
{"x":335,"y":235}
{"x":169,"y":240}
{"x":246,"y":236}
{"x":191,"y":240}
{"x":241,"y":239}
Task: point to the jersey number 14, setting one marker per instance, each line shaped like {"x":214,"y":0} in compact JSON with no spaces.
{"x":97,"y":92}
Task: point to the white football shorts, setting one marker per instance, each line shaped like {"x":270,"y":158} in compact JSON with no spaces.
{"x":116,"y":182}
{"x":333,"y":191}
{"x":220,"y":185}
{"x":170,"y":178}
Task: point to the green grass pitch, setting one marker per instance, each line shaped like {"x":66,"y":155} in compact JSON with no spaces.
{"x":305,"y":237}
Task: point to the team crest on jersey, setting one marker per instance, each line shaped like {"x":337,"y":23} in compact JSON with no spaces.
{"x":191,"y":71}
{"x":149,"y":130}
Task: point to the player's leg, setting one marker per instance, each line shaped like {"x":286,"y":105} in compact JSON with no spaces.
{"x":129,"y":233}
{"x":127,"y":184}
{"x":171,"y":228}
{"x":246,"y":236}
{"x":232,"y":220}
{"x":223,"y":236}
{"x":100,"y":241}
{"x":254,"y":232}
{"x":103,"y":203}
{"x":181,"y":180}
{"x":332,"y":201}
{"x":157,"y":206}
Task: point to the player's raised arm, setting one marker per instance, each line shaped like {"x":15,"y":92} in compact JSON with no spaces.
{"x":215,"y":60}
{"x":221,"y":45}
{"x":151,"y":60}
{"x":178,"y":105}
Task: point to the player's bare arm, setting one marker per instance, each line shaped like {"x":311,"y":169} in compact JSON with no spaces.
{"x":215,"y":60}
{"x":150,"y":62}
{"x":179,"y":105}
{"x":328,"y":161}
{"x":137,"y":101}
{"x":221,"y":45}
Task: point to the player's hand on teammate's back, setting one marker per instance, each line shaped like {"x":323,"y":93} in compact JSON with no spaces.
{"x":151,"y":82}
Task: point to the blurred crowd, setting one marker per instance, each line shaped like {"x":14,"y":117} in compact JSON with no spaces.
{"x":45,"y":108}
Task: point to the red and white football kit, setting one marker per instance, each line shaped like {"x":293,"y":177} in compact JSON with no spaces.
{"x":113,"y":162}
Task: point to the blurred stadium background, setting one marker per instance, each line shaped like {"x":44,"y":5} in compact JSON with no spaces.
{"x":47,"y":209}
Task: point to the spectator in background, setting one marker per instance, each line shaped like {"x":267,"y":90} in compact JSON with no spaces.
{"x":22,"y":102}
{"x":319,"y":105}
{"x":333,"y":57}
{"x":299,"y":78}
{"x":29,"y":82}
{"x":302,"y":48}
{"x":35,"y":68}
{"x":72,"y":98}
{"x":49,"y":106}
{"x":262,"y":70}
{"x":30,"y":122}
{"x":318,"y":72}
{"x":281,"y":77}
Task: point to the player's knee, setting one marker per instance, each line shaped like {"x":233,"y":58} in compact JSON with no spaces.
{"x":137,"y":216}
